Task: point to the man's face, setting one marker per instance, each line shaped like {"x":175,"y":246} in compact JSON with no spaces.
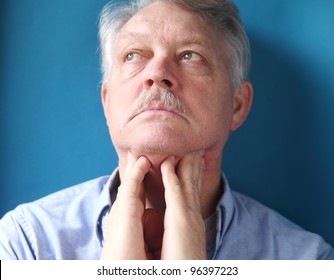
{"x":166,"y":47}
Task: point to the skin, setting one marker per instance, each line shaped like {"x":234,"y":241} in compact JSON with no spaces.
{"x":169,"y":162}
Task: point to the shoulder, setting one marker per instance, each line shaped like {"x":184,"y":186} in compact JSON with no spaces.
{"x":65,"y":202}
{"x":88,"y":190}
{"x":27,"y":231}
{"x":266,"y":234}
{"x":250,"y":209}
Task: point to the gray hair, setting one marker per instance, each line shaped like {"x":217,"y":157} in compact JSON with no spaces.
{"x":223,"y":14}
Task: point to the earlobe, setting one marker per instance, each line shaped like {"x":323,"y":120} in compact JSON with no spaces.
{"x":243,"y":98}
{"x":103,"y":93}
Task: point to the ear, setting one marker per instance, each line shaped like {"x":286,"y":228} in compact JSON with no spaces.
{"x":243,"y":98}
{"x":104,"y":98}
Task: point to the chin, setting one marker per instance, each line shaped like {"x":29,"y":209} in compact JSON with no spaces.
{"x":157,"y":143}
{"x":157,"y":153}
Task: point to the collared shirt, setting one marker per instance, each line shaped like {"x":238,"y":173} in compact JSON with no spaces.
{"x":69,"y":224}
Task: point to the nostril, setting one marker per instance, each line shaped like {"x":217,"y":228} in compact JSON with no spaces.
{"x":163,"y":83}
{"x":168,"y":83}
{"x":150,"y":82}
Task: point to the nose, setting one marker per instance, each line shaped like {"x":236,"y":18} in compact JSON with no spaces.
{"x":160,"y":72}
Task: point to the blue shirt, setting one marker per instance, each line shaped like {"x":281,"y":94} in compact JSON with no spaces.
{"x":69,"y":224}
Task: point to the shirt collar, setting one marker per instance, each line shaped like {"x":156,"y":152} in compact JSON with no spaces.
{"x":225,"y":212}
{"x":106,"y":199}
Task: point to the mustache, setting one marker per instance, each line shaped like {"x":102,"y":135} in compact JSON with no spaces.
{"x":164,"y":96}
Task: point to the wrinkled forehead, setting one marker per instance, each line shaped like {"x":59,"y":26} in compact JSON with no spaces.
{"x":166,"y":21}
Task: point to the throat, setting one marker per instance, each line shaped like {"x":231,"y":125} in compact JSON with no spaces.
{"x":155,"y":193}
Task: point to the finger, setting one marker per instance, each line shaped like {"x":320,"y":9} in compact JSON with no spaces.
{"x":190,"y":168}
{"x":198,"y":174}
{"x":130,"y":193}
{"x":169,"y":177}
{"x":135,"y":171}
{"x":199,"y":168}
{"x":136,"y":167}
{"x":184,"y":235}
{"x":190,"y":174}
{"x":125,"y":217}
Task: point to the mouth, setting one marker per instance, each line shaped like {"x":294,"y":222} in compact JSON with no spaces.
{"x":157,"y":108}
{"x":160,"y":108}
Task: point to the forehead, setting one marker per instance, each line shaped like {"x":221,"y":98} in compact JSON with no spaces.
{"x":163,"y":20}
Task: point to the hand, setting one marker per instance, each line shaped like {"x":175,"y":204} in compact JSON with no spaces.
{"x":184,"y":234}
{"x":134,"y":232}
{"x":125,"y":234}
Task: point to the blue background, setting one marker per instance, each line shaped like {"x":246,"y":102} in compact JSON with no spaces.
{"x":53,"y":132}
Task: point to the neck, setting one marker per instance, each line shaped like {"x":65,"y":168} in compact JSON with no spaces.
{"x":154,"y":190}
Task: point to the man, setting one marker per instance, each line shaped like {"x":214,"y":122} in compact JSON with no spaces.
{"x":174,"y":86}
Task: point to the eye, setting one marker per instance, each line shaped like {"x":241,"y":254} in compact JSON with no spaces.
{"x":133,"y":57}
{"x":191,"y":56}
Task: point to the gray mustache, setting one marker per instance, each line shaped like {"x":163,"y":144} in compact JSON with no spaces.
{"x":168,"y":99}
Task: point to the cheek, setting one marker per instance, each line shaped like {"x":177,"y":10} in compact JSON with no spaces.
{"x":113,"y":110}
{"x":216,"y":115}
{"x":121,"y":97}
{"x":214,"y":104}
